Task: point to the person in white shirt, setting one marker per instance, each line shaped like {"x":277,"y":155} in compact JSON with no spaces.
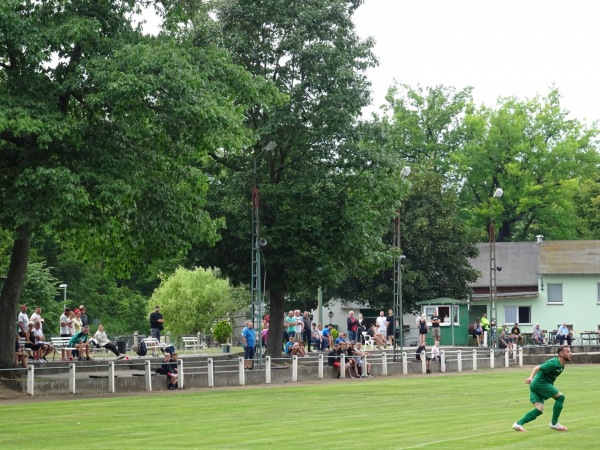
{"x":382,"y":324}
{"x":101,"y":340}
{"x":23,"y":320}
{"x":40,"y":339}
{"x":37,"y":317}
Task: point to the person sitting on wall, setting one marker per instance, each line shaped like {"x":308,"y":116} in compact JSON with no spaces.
{"x":538,"y":335}
{"x":516,"y":335}
{"x":564,"y":334}
{"x":421,"y":351}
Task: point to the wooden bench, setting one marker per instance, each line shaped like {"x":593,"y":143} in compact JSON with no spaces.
{"x":62,"y":344}
{"x":190,"y":342}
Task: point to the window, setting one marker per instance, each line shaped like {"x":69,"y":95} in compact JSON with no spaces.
{"x":598,"y":292}
{"x":555,"y":293}
{"x":444,"y":313}
{"x":517,"y":314}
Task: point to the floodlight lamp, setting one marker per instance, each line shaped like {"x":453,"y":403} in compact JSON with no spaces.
{"x":62,"y":286}
{"x":498,"y":193}
{"x":405,"y":171}
{"x":270,"y":146}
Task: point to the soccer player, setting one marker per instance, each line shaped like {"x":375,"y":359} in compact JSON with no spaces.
{"x":541,"y":387}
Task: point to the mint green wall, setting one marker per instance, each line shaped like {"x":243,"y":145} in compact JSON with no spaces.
{"x":580,"y":305}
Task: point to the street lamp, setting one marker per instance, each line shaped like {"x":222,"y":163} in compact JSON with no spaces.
{"x":64,"y":286}
{"x":398,"y":316}
{"x":493,"y":269}
{"x":330,"y":314}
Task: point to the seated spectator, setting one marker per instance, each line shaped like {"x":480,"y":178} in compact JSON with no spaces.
{"x":421,"y":350}
{"x":20,"y":356}
{"x":516,"y":335}
{"x":505,"y":342}
{"x":80,"y":342}
{"x":351,"y":366}
{"x":341,"y":338}
{"x":45,"y":347}
{"x":295,"y":347}
{"x":328,"y":335}
{"x":34,"y":350}
{"x":538,"y":335}
{"x":379,"y":338}
{"x":435,"y":352}
{"x":358,"y":355}
{"x":170,"y":371}
{"x":316,"y":339}
{"x":564,"y":334}
{"x":333,"y":359}
{"x":101,"y":340}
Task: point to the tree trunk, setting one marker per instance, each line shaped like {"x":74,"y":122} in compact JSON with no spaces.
{"x":275,"y":342}
{"x":11,"y":294}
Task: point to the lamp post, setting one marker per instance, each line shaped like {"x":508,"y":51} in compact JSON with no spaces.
{"x":257,"y":244}
{"x":330,"y":314}
{"x":64,"y":286}
{"x":493,"y":269}
{"x":398,"y":306}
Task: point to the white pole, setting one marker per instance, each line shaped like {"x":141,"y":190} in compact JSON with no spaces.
{"x":211,"y":373}
{"x":111,"y":377}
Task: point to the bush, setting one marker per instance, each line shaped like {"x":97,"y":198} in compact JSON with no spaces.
{"x":222,"y":332}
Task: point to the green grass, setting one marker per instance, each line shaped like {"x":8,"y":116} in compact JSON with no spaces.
{"x":470,"y":410}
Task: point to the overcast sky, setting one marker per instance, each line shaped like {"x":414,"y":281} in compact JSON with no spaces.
{"x":501,"y":48}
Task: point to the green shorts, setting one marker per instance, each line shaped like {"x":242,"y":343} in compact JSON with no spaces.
{"x":538,"y":392}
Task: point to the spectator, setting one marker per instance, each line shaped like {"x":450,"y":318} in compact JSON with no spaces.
{"x":327,"y":335}
{"x":516,"y":335}
{"x":101,"y":340}
{"x":249,"y":344}
{"x":435,"y":352}
{"x":264,"y":334}
{"x":485,"y":323}
{"x":564,"y":334}
{"x":478,"y":333}
{"x":299,"y":324}
{"x":378,"y":337}
{"x":156,"y":323}
{"x":333,"y":359}
{"x":341,"y":338}
{"x":538,"y":335}
{"x":390,"y":327}
{"x":362,"y":327}
{"x":435,"y":327}
{"x":382,"y":325}
{"x":30,"y":344}
{"x":80,"y":342}
{"x":421,"y":350}
{"x":45,"y":347}
{"x":505,"y":342}
{"x":352,"y":324}
{"x":170,"y":371}
{"x":316,"y":337}
{"x":77,"y":323}
{"x":65,"y":331}
{"x":37,"y":317}
{"x":348,"y":349}
{"x":295,"y":347}
{"x":358,"y":355}
{"x":23,"y":320}
{"x":290,"y":322}
{"x":84,"y":317}
{"x":422,"y":326}
{"x":306,"y":329}
{"x":20,"y":356}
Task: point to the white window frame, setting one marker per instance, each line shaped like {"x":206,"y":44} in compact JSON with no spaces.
{"x":428,"y":310}
{"x":598,"y":300}
{"x":550,"y":286}
{"x":516,"y":314}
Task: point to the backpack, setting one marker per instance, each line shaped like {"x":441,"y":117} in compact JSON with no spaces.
{"x":142,"y":349}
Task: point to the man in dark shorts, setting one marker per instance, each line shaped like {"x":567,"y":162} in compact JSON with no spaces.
{"x":541,"y":387}
{"x":435,"y":327}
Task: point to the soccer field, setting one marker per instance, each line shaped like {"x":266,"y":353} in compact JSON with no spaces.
{"x":469,"y":410}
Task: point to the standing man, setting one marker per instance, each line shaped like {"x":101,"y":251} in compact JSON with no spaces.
{"x":390,"y":326}
{"x":306,"y":329}
{"x":485,"y":325}
{"x":435,"y":328}
{"x":23,"y":320}
{"x":37,"y":317}
{"x":249,"y":344}
{"x":156,"y":323}
{"x":382,"y":324}
{"x":84,"y":317}
{"x":541,"y":387}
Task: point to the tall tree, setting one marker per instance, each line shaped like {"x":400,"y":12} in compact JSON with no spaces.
{"x":537,"y":155}
{"x":325,"y":201}
{"x":101,"y":131}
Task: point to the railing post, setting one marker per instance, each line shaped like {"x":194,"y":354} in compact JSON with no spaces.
{"x":180,"y":374}
{"x":199,"y":340}
{"x":148,"y":375}
{"x":72,"y":378}
{"x":443,"y":361}
{"x":474,"y":360}
{"x":242,"y":375}
{"x":404,"y":364}
{"x":459,"y":359}
{"x":294,"y":368}
{"x":384,"y":364}
{"x":135,"y":338}
{"x":506,"y":356}
{"x":268,"y":369}
{"x":492,"y":358}
{"x":515,"y":353}
{"x":211,"y":372}
{"x":364,"y":365}
{"x":321,"y":366}
{"x":111,"y":377}
{"x":167,"y":337}
{"x":521,"y":357}
{"x":423,"y":356}
{"x":30,"y":380}
{"x":342,"y":365}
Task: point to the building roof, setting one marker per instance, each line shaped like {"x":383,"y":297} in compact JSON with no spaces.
{"x":569,"y":257}
{"x":518,"y":261}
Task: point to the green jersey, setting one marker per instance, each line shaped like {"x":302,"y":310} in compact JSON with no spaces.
{"x":549,"y":371}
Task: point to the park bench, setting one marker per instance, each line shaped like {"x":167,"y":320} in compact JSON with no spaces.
{"x":191,"y":342}
{"x":152,"y":344}
{"x":62,"y":344}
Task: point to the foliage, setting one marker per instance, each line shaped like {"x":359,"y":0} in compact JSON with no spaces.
{"x":537,"y":155}
{"x":193,"y":300}
{"x":222,"y":332}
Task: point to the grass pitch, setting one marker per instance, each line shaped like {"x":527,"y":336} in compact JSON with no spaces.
{"x":458,"y":411}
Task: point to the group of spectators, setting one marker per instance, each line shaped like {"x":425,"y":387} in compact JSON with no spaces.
{"x":353,"y":353}
{"x":74,"y":324}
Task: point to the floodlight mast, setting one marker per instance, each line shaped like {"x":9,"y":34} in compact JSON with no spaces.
{"x":493,"y":271}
